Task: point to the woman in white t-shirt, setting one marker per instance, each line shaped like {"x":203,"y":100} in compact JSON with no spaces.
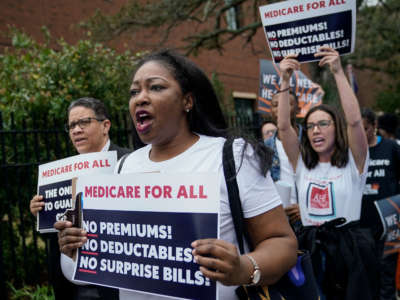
{"x":176,"y":113}
{"x":330,"y":162}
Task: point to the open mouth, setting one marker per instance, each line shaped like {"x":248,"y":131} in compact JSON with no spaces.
{"x":143,"y":121}
{"x":318,"y":141}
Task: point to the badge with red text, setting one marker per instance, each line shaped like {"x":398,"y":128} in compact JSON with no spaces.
{"x":320,"y":201}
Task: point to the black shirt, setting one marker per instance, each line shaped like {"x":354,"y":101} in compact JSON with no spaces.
{"x":382,"y":181}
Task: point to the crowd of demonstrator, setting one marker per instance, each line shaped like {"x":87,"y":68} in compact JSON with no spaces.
{"x":329,"y":160}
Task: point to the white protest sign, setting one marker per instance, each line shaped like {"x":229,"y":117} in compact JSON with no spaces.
{"x":140,"y":228}
{"x":55,"y":180}
{"x":302,"y":27}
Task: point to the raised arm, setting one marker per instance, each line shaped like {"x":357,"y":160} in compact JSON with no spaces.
{"x":355,"y":129}
{"x":287,"y":133}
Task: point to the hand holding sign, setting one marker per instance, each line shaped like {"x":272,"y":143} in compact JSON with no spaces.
{"x":36,"y":205}
{"x":138,"y":231}
{"x":219,"y":261}
{"x":70,"y":238}
{"x":288,"y":65}
{"x":329,"y":57}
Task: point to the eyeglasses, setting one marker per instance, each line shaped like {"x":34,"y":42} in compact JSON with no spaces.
{"x":82,"y":123}
{"x":323,"y":124}
{"x":270,"y":132}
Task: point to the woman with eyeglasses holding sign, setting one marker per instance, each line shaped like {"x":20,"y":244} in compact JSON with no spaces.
{"x":330,"y":162}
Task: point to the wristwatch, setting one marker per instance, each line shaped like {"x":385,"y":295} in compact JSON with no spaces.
{"x":255,"y":278}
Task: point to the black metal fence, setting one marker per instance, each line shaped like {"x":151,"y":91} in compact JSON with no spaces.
{"x":24,"y":145}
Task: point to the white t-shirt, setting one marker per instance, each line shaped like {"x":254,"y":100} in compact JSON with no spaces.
{"x":327,"y":192}
{"x":257,"y":193}
{"x":287,"y":173}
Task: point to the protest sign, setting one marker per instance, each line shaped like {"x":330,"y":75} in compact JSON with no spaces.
{"x":389,"y":212}
{"x":55,"y":180}
{"x":301,"y":27}
{"x":308,"y":93}
{"x":140,"y":228}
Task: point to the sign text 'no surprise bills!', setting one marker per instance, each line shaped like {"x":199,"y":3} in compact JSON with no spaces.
{"x":302,"y":27}
{"x":140,"y":227}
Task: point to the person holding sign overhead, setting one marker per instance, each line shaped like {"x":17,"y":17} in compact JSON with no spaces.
{"x":176,"y":113}
{"x":330,"y":162}
{"x":88,"y":127}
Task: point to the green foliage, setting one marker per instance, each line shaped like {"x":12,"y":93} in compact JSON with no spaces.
{"x":43,"y":79}
{"x":378,"y":37}
{"x":37,"y":83}
{"x":389,"y":100}
{"x":378,"y":48}
{"x":32,"y":293}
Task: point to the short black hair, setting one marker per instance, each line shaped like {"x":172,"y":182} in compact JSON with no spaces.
{"x":369,"y":115}
{"x":389,"y":122}
{"x":98,"y":107}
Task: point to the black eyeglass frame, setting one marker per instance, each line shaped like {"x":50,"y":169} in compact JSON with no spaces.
{"x":322,"y":124}
{"x":82,"y":123}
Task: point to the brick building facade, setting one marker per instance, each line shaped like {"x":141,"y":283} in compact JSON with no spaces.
{"x":237,"y":67}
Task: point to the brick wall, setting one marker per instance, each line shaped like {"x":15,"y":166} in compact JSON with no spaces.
{"x":237,"y":66}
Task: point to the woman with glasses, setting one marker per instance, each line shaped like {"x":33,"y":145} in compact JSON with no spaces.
{"x":330,"y":162}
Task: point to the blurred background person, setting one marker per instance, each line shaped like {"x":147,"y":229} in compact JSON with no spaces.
{"x":388,"y":124}
{"x":382,"y":182}
{"x":268,"y":129}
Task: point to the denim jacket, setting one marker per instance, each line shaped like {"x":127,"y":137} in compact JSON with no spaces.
{"x":276,"y":167}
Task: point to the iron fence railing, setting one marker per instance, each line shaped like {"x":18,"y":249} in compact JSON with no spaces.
{"x":24,"y":145}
